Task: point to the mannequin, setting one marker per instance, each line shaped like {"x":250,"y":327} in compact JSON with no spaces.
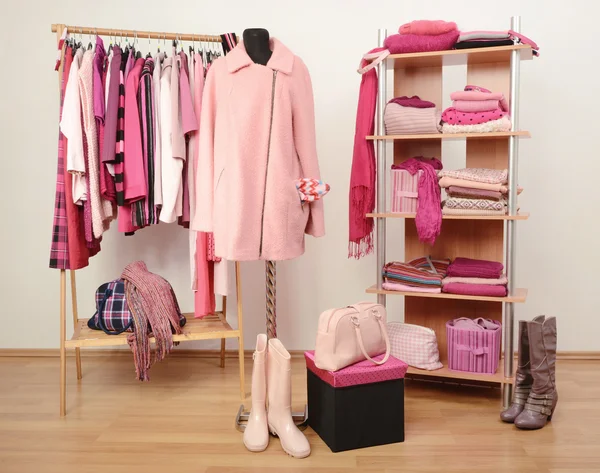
{"x":256,"y":42}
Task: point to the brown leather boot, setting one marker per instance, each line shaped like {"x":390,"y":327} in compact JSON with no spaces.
{"x":523,"y":378}
{"x":543,"y":397}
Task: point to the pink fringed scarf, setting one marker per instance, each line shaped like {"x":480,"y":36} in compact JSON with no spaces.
{"x":429,"y":212}
{"x":362,"y":177}
{"x":154,"y":309}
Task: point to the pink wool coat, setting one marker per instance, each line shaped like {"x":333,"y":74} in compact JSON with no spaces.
{"x":257,"y":136}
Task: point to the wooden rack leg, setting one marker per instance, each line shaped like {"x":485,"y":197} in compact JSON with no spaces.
{"x":63,"y":336}
{"x":75,"y":320}
{"x":223,"y":340}
{"x":238,"y":293}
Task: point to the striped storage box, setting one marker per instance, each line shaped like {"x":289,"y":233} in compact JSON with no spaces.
{"x":404,"y":191}
{"x":477,"y":351}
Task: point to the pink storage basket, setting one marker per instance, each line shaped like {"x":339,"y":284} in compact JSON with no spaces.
{"x":477,"y":351}
{"x":404,"y":191}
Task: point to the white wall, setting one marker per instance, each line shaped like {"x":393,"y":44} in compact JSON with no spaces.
{"x":559,"y":168}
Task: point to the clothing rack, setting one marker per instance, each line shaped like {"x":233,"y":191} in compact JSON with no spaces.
{"x":213,"y":326}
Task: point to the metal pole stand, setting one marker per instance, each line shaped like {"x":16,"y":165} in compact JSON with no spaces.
{"x":300,"y":418}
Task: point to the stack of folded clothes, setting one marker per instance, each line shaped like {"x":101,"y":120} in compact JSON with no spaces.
{"x":421,"y":36}
{"x":475,"y":278}
{"x":418,"y":275}
{"x":476,"y":110}
{"x":483,"y":39}
{"x":411,"y":116}
{"x":475,"y":191}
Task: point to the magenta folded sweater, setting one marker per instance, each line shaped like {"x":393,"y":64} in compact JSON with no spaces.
{"x":475,"y":289}
{"x":475,"y":268}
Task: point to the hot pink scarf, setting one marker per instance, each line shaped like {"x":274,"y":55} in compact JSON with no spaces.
{"x":429,"y":212}
{"x":362,"y":177}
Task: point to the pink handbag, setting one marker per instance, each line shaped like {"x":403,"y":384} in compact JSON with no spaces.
{"x":351,"y":334}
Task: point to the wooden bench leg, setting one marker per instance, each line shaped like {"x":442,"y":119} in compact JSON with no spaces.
{"x":75,"y":321}
{"x":238,"y":292}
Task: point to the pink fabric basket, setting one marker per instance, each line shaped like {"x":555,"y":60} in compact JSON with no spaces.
{"x":363,"y":372}
{"x":477,"y":351}
{"x":404,"y":191}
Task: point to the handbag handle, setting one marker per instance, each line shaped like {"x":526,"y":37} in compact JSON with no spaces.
{"x":101,"y":323}
{"x":356,"y":322}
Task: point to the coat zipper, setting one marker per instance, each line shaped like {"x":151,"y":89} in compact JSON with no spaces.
{"x":262,"y":217}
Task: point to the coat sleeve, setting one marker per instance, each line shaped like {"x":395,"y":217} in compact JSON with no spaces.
{"x":202,"y":221}
{"x":305,"y":141}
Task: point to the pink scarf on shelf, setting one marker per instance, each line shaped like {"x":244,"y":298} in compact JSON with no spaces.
{"x":429,"y":212}
{"x":362,"y":176}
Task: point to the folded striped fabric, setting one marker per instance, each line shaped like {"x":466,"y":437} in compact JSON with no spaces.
{"x":419,"y":272}
{"x":474,"y":204}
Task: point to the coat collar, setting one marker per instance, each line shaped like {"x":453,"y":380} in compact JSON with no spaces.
{"x":282,"y":59}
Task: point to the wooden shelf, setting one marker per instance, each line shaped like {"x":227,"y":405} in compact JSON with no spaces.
{"x":460,"y":56}
{"x":444,"y":372}
{"x":452,"y":136}
{"x":520,"y":216}
{"x":520,"y":295}
{"x":212,"y":326}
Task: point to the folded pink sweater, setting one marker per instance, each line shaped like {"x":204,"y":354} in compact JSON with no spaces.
{"x":427,"y":27}
{"x":401,"y":120}
{"x":475,"y":289}
{"x":501,"y":281}
{"x":480,"y":105}
{"x":475,"y":268}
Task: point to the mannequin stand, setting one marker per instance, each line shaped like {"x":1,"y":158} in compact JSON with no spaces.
{"x":300,"y":418}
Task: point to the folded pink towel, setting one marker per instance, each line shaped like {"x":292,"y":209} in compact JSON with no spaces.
{"x":401,"y":120}
{"x":394,"y":286}
{"x":475,"y":268}
{"x":501,"y":281}
{"x":475,"y":290}
{"x":479,"y":105}
{"x":427,"y":27}
{"x":476,"y":93}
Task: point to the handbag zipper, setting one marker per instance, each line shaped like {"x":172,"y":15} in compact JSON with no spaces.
{"x":262,"y":217}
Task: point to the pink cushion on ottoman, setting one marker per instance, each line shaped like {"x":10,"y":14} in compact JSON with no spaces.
{"x":363,"y":372}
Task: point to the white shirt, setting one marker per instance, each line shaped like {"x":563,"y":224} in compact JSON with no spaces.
{"x":71,"y":127}
{"x":171,"y":168}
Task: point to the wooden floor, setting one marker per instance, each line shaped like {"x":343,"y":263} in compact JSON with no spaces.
{"x":183,"y":421}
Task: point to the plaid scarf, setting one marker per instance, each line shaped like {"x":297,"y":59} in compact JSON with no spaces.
{"x":155,"y":312}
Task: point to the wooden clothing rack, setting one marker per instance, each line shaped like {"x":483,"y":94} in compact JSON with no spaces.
{"x":211,"y":327}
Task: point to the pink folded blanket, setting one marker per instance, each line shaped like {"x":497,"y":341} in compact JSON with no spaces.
{"x":501,"y":281}
{"x":479,"y":105}
{"x":476,"y":95}
{"x":475,"y":290}
{"x":427,"y":27}
{"x":475,"y":268}
{"x":469,"y":192}
{"x":394,"y":286}
{"x":414,"y":43}
{"x":491,"y":176}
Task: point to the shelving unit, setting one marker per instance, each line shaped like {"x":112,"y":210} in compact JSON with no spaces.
{"x":483,"y":237}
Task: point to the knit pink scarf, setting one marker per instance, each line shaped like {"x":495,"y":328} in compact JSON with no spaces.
{"x":155,"y":312}
{"x":362,"y":177}
{"x":429,"y":212}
